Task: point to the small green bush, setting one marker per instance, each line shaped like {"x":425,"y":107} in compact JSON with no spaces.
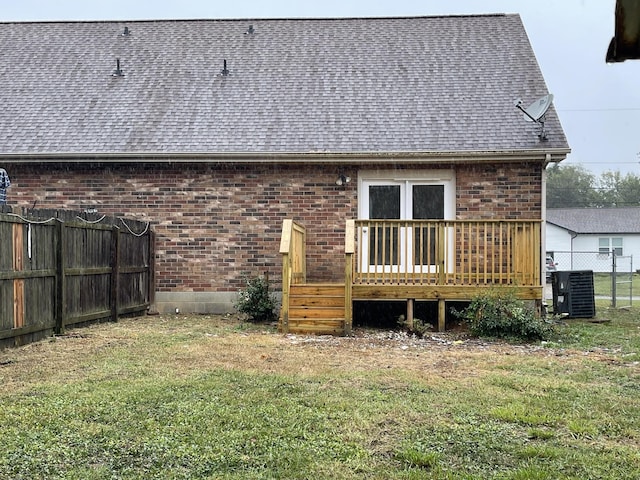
{"x":256,"y":302}
{"x":500,"y":314}
{"x":419,"y":327}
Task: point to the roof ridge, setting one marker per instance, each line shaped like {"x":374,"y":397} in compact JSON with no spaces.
{"x":266,"y":19}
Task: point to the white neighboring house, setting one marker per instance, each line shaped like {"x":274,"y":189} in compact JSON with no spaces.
{"x":582,"y":238}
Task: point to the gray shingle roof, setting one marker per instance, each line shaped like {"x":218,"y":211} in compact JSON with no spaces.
{"x":419,"y":84}
{"x":596,"y":220}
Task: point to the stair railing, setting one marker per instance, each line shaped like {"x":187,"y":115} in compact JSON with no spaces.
{"x":349,"y":251}
{"x":294,"y":264}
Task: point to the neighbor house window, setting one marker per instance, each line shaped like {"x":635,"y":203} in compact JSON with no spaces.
{"x":610,"y":244}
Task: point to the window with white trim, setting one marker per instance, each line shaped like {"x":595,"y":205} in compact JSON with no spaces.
{"x":607,"y":245}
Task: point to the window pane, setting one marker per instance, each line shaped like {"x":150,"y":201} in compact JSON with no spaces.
{"x":616,"y":245}
{"x":428,"y":202}
{"x":603,"y":243}
{"x":384,"y":201}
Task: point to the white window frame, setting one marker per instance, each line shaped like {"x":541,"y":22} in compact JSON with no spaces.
{"x":611,"y":245}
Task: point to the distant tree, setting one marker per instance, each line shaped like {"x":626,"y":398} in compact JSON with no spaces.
{"x":617,"y":190}
{"x":629,"y":191}
{"x":571,"y":186}
{"x":608,"y":184}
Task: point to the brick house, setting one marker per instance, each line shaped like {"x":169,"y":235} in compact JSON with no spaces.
{"x":216,"y":131}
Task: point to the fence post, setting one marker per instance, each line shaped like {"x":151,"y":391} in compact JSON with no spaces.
{"x":60,"y":278}
{"x":115,"y":271}
{"x":152,"y":272}
{"x":18,"y":283}
{"x":630,"y":280}
{"x":613,"y":279}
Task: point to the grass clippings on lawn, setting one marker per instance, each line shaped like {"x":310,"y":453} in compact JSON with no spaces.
{"x":211,"y":397}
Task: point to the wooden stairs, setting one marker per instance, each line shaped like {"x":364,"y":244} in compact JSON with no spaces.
{"x":316,"y":308}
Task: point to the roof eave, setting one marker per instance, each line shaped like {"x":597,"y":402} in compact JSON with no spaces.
{"x":546,"y":156}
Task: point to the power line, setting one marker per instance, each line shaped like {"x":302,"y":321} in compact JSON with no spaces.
{"x":610,"y":109}
{"x":608,"y":163}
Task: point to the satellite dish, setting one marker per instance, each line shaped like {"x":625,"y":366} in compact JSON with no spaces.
{"x":537,"y":109}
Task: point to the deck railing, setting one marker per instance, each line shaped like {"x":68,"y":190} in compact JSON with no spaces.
{"x":294,"y":261}
{"x":444,"y":252}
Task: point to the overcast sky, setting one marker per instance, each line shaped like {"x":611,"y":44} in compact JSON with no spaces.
{"x":598,"y":103}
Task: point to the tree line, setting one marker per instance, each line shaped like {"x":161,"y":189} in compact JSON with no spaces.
{"x":573,"y":186}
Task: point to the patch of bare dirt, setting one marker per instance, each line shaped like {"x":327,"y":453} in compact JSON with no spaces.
{"x":181,"y":345}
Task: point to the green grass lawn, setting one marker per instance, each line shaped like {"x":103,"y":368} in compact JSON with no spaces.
{"x":626,"y":285}
{"x":202,"y":397}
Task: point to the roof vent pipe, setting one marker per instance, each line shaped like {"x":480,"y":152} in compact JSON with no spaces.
{"x":225,"y":71}
{"x":250,"y":30}
{"x":118,"y":71}
{"x":126,"y":32}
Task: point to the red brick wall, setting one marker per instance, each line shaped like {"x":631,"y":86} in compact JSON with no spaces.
{"x":502,"y":191}
{"x":217,"y":223}
{"x":214,"y":224}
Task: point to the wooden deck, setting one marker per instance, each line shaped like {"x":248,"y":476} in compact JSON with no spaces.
{"x":410,"y":260}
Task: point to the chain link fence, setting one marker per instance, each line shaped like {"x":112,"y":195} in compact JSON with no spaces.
{"x":612,"y":274}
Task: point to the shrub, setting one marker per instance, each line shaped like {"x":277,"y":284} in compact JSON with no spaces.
{"x":255,"y":301}
{"x":502,"y":315}
{"x":419,"y":327}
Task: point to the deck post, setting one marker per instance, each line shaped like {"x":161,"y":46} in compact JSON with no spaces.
{"x":441,"y":255}
{"x":442,"y":312}
{"x":286,"y":282}
{"x":348,"y":301}
{"x":410,"y":305}
{"x":349,"y":250}
{"x":285,"y":251}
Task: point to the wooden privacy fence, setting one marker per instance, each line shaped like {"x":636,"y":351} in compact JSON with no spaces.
{"x":64,"y":270}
